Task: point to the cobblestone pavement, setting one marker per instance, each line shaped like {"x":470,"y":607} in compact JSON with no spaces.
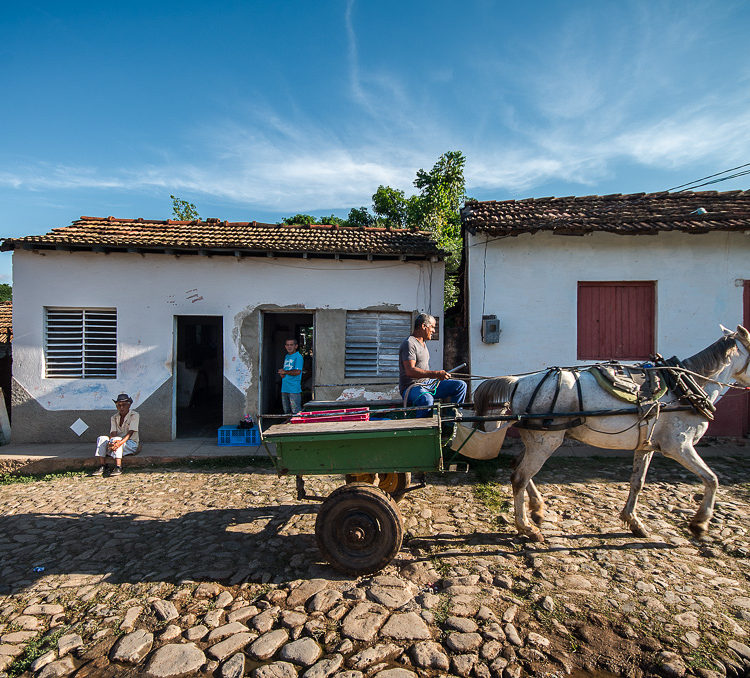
{"x":181,"y":572}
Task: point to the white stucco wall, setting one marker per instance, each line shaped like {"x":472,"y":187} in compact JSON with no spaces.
{"x":530,"y":283}
{"x":148,"y":291}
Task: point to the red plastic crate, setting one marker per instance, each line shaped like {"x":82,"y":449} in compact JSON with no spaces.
{"x":350,"y":414}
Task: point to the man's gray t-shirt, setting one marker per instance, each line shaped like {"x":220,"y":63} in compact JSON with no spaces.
{"x":411,"y":349}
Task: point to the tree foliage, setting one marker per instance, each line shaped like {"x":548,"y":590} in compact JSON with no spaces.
{"x":6,"y":292}
{"x":309,"y":219}
{"x":182,"y":210}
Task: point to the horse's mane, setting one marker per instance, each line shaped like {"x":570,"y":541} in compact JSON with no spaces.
{"x":710,"y":360}
{"x":493,"y":394}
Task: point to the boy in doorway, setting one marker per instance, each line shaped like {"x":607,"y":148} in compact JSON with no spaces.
{"x":291,"y":378}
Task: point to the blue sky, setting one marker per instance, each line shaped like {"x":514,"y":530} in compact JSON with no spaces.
{"x":259,"y":110}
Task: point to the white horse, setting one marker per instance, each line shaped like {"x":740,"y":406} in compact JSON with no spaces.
{"x":674,"y":434}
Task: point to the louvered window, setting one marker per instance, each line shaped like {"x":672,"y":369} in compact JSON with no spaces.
{"x":372,"y":342}
{"x":80,"y":343}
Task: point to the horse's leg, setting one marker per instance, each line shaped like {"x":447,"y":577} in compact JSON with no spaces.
{"x":686,"y":455}
{"x":641,"y":461}
{"x":538,"y":447}
{"x":536,"y":503}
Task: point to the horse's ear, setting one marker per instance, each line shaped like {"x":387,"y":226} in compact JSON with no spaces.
{"x":725,"y":330}
{"x":744,"y":334}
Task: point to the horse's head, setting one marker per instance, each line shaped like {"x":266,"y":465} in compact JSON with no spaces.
{"x":742,"y":337}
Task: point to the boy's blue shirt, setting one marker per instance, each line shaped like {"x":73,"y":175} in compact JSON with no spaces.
{"x":290,"y":384}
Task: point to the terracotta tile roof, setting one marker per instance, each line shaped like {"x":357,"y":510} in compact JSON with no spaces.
{"x":214,"y":235}
{"x":635,"y":214}
{"x":6,"y":321}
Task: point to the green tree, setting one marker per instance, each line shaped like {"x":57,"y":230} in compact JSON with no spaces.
{"x":330,"y":220}
{"x":359,"y":217}
{"x":182,"y":210}
{"x":442,"y":192}
{"x":299,"y":219}
{"x":391,"y":206}
{"x":436,"y":208}
{"x":6,"y":292}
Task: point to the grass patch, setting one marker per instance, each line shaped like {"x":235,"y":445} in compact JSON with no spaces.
{"x":36,"y":648}
{"x":441,"y":567}
{"x":442,"y":609}
{"x":16,"y":479}
{"x":493,"y":496}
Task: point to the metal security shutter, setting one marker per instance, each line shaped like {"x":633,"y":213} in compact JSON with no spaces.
{"x":616,"y":320}
{"x":372,"y":342}
{"x":80,"y":343}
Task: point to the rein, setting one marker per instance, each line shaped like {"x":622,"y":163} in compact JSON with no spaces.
{"x":574,"y":367}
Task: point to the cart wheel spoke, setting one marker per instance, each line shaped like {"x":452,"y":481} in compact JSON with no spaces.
{"x":359,"y":529}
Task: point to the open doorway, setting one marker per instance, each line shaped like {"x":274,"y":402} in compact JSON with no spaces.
{"x":277,"y":328}
{"x":199,"y":376}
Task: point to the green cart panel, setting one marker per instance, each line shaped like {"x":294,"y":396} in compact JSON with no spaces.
{"x":357,"y":447}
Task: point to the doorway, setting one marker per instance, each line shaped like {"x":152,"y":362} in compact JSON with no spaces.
{"x":277,"y":328}
{"x":198,"y":376}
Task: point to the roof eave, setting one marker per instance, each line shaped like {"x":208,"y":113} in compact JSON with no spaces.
{"x":13,"y":244}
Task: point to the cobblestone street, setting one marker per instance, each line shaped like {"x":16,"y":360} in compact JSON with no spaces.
{"x":190,"y":571}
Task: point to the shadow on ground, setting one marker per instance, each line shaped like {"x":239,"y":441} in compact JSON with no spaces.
{"x":216,"y":545}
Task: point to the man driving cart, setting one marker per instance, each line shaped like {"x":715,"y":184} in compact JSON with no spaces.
{"x":417,"y":383}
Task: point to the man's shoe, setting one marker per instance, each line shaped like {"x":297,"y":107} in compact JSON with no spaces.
{"x":116,"y":471}
{"x":98,"y":471}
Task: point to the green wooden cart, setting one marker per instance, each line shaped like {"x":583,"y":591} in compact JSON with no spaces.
{"x":359,"y":529}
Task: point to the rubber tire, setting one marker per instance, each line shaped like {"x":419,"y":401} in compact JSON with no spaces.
{"x":377,"y":521}
{"x":393,"y":484}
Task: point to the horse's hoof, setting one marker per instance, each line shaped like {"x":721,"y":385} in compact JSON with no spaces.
{"x":639,"y":531}
{"x":534,"y":536}
{"x":537,"y":517}
{"x":698,"y":530}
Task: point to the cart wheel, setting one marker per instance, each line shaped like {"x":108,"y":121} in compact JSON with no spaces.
{"x":392,"y":483}
{"x":359,"y":529}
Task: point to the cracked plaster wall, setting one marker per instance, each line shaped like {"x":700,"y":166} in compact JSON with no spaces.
{"x":149,"y":290}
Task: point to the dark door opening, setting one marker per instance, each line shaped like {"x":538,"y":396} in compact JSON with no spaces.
{"x":199,"y":376}
{"x":277,"y":328}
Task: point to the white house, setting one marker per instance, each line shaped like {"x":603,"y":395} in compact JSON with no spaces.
{"x":190,"y":318}
{"x":579,"y":279}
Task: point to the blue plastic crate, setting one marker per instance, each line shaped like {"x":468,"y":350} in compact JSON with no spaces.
{"x":233,"y":436}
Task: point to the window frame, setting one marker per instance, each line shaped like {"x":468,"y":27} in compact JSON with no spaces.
{"x":95,"y":346}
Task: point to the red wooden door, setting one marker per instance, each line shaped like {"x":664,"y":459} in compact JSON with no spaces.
{"x":733,"y":410}
{"x":616,"y":320}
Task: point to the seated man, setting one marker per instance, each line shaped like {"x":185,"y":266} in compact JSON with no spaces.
{"x":414,"y":373}
{"x":123,"y":436}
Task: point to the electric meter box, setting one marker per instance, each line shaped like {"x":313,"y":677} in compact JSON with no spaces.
{"x":490,"y":329}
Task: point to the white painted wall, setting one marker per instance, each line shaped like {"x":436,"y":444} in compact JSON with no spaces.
{"x":148,"y":291}
{"x":530,"y":283}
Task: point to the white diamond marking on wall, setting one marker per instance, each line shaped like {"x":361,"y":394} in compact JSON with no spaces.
{"x":79,"y":427}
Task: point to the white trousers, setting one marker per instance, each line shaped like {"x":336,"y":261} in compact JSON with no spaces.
{"x":130,"y":447}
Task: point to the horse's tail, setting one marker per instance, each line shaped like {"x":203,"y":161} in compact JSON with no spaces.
{"x":493,"y":394}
